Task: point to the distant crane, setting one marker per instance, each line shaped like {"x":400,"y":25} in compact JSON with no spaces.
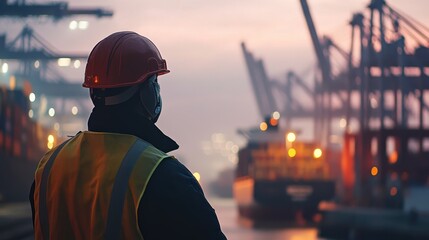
{"x":56,"y":10}
{"x":260,"y":83}
{"x":389,"y":80}
{"x":34,"y":54}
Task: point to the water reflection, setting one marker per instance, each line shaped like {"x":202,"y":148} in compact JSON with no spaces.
{"x":236,"y":228}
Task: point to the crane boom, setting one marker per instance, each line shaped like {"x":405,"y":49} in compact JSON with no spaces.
{"x":56,"y":10}
{"x":316,"y":42}
{"x":260,"y":83}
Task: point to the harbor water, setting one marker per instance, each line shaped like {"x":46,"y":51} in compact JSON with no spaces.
{"x":236,"y":228}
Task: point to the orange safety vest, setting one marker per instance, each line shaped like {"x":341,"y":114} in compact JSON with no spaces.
{"x":90,"y":187}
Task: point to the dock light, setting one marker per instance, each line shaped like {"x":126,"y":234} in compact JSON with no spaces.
{"x":374,"y":171}
{"x":82,"y":25}
{"x":291,"y":152}
{"x":276,"y":115}
{"x":197,"y":176}
{"x":12,"y":82}
{"x":393,"y":191}
{"x":36,"y":64}
{"x":393,"y":157}
{"x":75,"y":110}
{"x":32,"y":97}
{"x":76,"y":64}
{"x":263,"y":126}
{"x":64,"y":62}
{"x":51,"y":112}
{"x":274,"y":122}
{"x":73,"y":25}
{"x":291,"y":137}
{"x":317,"y":153}
{"x":4,"y":68}
{"x":30,"y":113}
{"x":51,"y":138}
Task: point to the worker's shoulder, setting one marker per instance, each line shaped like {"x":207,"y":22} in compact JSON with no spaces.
{"x":172,"y":166}
{"x":172,"y":172}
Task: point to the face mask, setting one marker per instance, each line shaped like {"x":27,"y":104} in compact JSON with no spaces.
{"x":150,"y":98}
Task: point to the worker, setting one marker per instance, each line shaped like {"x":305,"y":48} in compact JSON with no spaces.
{"x":116,"y":180}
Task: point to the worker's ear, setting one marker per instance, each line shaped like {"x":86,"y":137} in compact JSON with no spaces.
{"x":150,"y":98}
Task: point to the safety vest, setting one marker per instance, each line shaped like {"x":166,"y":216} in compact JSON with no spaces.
{"x":90,"y":187}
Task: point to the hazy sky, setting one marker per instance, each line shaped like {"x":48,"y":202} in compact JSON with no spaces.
{"x":208,"y":90}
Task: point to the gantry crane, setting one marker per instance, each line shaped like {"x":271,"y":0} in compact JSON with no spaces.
{"x":56,"y":10}
{"x":33,"y":52}
{"x":386,"y":152}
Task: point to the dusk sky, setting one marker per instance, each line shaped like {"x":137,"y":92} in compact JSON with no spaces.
{"x":208,"y":90}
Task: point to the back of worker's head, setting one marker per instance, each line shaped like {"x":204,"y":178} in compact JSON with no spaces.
{"x":123,"y":69}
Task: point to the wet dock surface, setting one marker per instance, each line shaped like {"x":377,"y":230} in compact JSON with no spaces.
{"x":15,"y":221}
{"x":236,"y":228}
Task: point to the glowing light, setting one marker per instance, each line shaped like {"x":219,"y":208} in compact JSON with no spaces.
{"x":374,"y":171}
{"x":51,"y":138}
{"x":36,"y":64}
{"x":197,"y":176}
{"x":291,"y":152}
{"x":291,"y":137}
{"x":343,"y":123}
{"x":51,"y":112}
{"x":393,"y":191}
{"x":12,"y":82}
{"x":82,"y":25}
{"x":393,"y":157}
{"x":76,"y":64}
{"x":4,"y":68}
{"x":276,"y":115}
{"x":50,"y":145}
{"x":32,"y":97}
{"x":75,"y":110}
{"x":263,"y":126}
{"x":73,"y":25}
{"x":64,"y":62}
{"x":317,"y":153}
{"x":30,"y":113}
{"x":273,"y":122}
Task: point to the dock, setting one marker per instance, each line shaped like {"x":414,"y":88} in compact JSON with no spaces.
{"x":370,"y":223}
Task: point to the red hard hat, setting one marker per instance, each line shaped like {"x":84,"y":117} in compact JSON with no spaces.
{"x":123,"y":59}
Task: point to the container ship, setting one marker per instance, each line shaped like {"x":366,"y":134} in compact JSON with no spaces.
{"x":22,"y":143}
{"x":278,"y":177}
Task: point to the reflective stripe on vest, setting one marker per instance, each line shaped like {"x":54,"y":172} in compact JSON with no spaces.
{"x":43,"y":209}
{"x":90,"y":188}
{"x":114,"y":218}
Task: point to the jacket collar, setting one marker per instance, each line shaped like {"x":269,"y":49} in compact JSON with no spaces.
{"x":109,"y":119}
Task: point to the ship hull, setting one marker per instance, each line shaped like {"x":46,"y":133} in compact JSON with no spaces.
{"x":281,"y":198}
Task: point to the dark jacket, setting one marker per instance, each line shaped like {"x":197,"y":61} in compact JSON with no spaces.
{"x":173,"y":205}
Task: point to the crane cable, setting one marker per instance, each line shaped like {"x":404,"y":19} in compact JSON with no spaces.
{"x":410,"y":23}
